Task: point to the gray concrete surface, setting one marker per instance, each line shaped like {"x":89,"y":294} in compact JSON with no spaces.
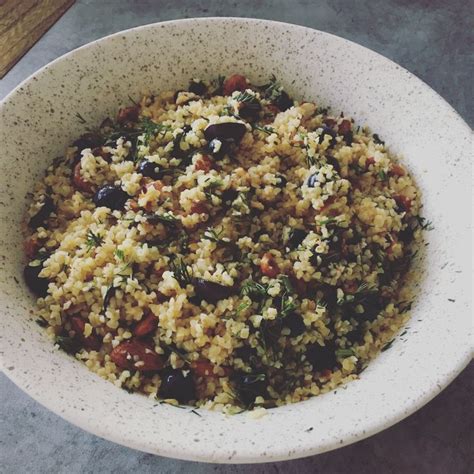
{"x":431,"y":38}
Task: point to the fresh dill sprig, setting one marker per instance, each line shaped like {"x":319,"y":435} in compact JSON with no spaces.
{"x":93,"y":240}
{"x":246,"y":97}
{"x":180,"y":272}
{"x":215,"y":235}
{"x":253,"y":289}
{"x":272,"y":90}
{"x":210,"y":186}
{"x":424,"y":223}
{"x":382,"y":175}
{"x":265,"y":129}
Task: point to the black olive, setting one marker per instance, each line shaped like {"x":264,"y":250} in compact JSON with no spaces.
{"x":294,"y":322}
{"x":282,"y":180}
{"x":89,"y":140}
{"x":348,"y":137}
{"x":229,"y":195}
{"x":284,"y":101}
{"x":150,"y":170}
{"x":356,"y":335}
{"x":177,"y":151}
{"x":42,"y":215}
{"x":225,"y":131}
{"x":328,"y":131}
{"x":246,"y":353}
{"x":296,"y":237}
{"x":322,"y":357}
{"x":197,"y":87}
{"x":329,"y":294}
{"x":250,"y":110}
{"x":210,"y":291}
{"x":335,"y":164}
{"x":177,"y":384}
{"x":218,"y":148}
{"x":38,"y":285}
{"x":312,"y":180}
{"x":406,"y":235}
{"x":373,"y":304}
{"x":250,"y":386}
{"x":113,"y":197}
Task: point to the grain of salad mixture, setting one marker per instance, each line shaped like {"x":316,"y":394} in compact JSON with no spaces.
{"x":224,"y":246}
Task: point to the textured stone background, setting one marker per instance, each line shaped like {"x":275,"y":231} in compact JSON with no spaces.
{"x":431,"y":38}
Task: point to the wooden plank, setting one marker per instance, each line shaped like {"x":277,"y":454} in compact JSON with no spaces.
{"x":22,"y":23}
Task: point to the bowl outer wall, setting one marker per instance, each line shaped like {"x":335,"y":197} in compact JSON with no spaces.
{"x":37,"y":121}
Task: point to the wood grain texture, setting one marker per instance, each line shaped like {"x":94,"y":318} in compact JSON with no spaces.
{"x":22,"y":23}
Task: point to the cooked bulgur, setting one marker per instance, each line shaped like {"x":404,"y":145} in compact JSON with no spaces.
{"x":224,"y":246}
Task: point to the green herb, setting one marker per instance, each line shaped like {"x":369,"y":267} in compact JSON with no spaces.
{"x":253,"y":289}
{"x":93,"y":240}
{"x":242,"y":307}
{"x":210,"y":186}
{"x":272,"y":90}
{"x":266,"y":129}
{"x":42,"y":322}
{"x":327,"y":221}
{"x":180,"y":272}
{"x":166,"y":218}
{"x":196,"y":413}
{"x":120,"y":254}
{"x":342,"y":353}
{"x":424,"y":223}
{"x":382,"y":175}
{"x":246,"y":97}
{"x":388,"y":345}
{"x":80,"y":118}
{"x":151,"y":129}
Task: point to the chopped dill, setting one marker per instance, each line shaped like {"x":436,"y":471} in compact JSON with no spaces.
{"x":253,"y":289}
{"x":424,"y":223}
{"x":180,"y":272}
{"x":382,"y":175}
{"x":93,"y":240}
{"x":265,"y":129}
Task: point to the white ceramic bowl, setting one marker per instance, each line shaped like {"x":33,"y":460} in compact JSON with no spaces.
{"x":37,"y":121}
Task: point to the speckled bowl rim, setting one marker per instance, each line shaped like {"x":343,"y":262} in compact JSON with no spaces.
{"x":371,"y":427}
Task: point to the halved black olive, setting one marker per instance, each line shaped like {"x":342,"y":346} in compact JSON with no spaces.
{"x":250,"y":110}
{"x":335,"y":163}
{"x":218,"y":148}
{"x":246,"y":353}
{"x":294,"y":322}
{"x":373,"y":304}
{"x":296,"y":237}
{"x":225,"y":131}
{"x":197,"y":87}
{"x":210,"y":291}
{"x":284,"y":101}
{"x":229,"y":195}
{"x":250,"y":386}
{"x":38,"y":285}
{"x":42,"y":215}
{"x":150,"y":170}
{"x":322,"y":357}
{"x":113,"y":197}
{"x":328,"y":131}
{"x":177,"y":384}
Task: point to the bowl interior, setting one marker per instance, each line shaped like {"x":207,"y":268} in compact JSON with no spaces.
{"x":38,"y":120}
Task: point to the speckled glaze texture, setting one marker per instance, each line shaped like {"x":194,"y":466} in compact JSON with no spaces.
{"x":37,"y":121}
